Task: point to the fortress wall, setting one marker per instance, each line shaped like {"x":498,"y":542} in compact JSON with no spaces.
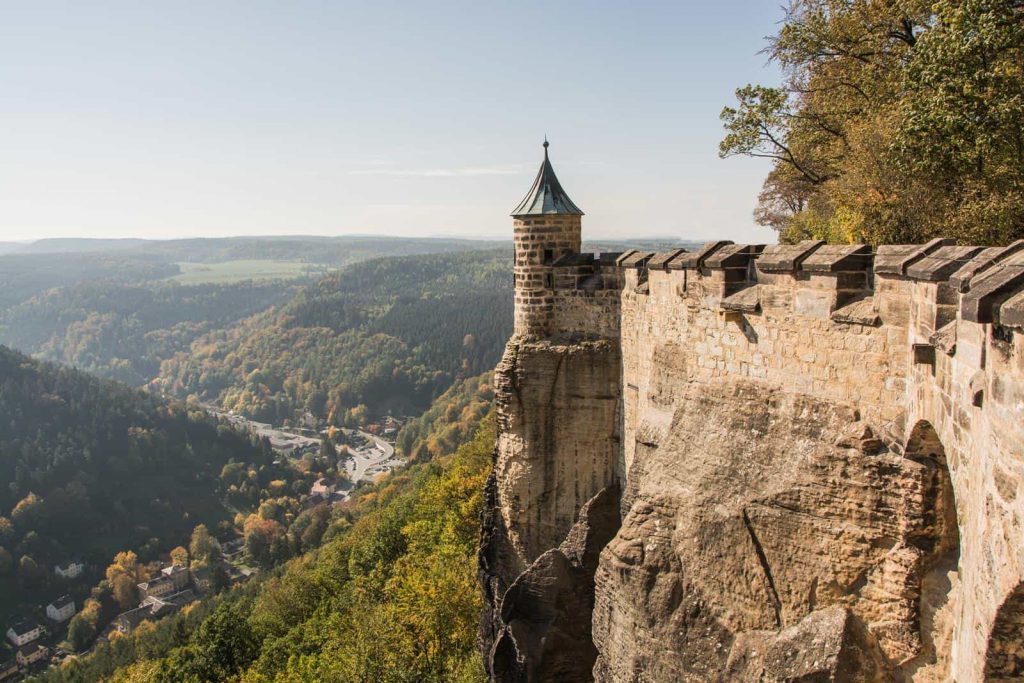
{"x":785,"y":344}
{"x":984,"y":448}
{"x":895,"y":349}
{"x":586,"y":314}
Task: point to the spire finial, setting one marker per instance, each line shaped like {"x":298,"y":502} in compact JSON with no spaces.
{"x":546,"y":143}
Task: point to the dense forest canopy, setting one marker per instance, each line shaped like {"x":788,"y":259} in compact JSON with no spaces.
{"x":390,"y":598}
{"x":898,"y":121}
{"x":123,"y":331}
{"x":92,"y":467}
{"x":385,"y":334}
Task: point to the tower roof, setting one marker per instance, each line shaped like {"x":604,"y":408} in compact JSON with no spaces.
{"x":546,"y":196}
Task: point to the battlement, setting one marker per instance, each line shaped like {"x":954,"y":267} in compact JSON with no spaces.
{"x":847,"y":283}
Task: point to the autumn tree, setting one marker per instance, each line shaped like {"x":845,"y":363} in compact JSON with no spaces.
{"x":123,"y":575}
{"x":897,"y":121}
{"x":179,"y":556}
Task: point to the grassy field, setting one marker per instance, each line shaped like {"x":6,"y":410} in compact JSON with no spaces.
{"x":227,"y":272}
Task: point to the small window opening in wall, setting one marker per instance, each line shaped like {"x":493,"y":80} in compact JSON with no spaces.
{"x":549,"y":255}
{"x":924,"y":354}
{"x":549,"y":281}
{"x":1002,"y":333}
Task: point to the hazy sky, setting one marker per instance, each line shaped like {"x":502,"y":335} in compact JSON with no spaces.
{"x":168,"y":119}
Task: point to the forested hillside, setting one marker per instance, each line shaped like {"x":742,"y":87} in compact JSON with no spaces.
{"x":92,"y":467}
{"x":897,"y":122}
{"x":22,"y":276}
{"x":392,"y":597}
{"x":386,"y":334}
{"x":123,"y":331}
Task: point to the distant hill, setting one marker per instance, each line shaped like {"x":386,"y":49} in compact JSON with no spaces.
{"x":28,"y":269}
{"x":66,"y":245}
{"x":123,"y":331}
{"x":386,"y":334}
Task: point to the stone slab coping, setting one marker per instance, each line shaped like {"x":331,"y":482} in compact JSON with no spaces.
{"x":786,"y":258}
{"x":695,"y":259}
{"x":861,"y":311}
{"x":625,"y":255}
{"x":941,"y":263}
{"x":733,"y":256}
{"x":746,"y":300}
{"x":961,"y":279}
{"x":834,"y":258}
{"x":635,"y":259}
{"x":991,"y":288}
{"x":1011,"y":313}
{"x":660,"y":260}
{"x":894,"y":259}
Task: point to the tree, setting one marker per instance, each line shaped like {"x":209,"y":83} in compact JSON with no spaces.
{"x":123,"y":575}
{"x":81,"y":631}
{"x":125,"y":563}
{"x":126,"y":591}
{"x":203,"y":547}
{"x":6,"y":562}
{"x":26,"y":513}
{"x":179,"y":556}
{"x":896,"y":122}
{"x":328,"y":453}
{"x":28,"y":571}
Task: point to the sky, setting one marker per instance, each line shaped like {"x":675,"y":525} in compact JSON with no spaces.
{"x":216,"y":118}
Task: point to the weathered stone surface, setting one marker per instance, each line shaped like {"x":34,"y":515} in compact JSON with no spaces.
{"x":746,"y":519}
{"x":543,"y":630}
{"x":827,"y":645}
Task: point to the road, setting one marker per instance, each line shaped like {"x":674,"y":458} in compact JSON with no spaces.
{"x":364,"y":464}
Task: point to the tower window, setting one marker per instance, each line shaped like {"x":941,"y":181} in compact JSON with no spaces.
{"x":549,"y":255}
{"x":549,"y":281}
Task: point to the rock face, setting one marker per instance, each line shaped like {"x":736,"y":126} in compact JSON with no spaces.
{"x":555,"y":505}
{"x":820,"y":453}
{"x":744,"y":520}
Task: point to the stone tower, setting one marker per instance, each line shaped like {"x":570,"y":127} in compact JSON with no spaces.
{"x":547,"y":226}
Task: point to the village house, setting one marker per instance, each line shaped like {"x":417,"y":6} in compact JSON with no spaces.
{"x":61,"y":609}
{"x":322,"y":488}
{"x":233,"y":550}
{"x":151,"y":609}
{"x":8,"y":669}
{"x":71,"y":570}
{"x":31,"y":653}
{"x":172,"y":579}
{"x":23,"y":632}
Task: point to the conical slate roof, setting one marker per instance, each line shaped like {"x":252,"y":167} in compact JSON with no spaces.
{"x":546,"y":195}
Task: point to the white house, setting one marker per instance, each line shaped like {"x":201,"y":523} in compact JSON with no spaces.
{"x":30,"y":654}
{"x":72,"y":570}
{"x":61,"y":609}
{"x":23,"y":632}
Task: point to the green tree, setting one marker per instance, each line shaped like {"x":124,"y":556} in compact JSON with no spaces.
{"x":203,"y":547}
{"x":328,"y":453}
